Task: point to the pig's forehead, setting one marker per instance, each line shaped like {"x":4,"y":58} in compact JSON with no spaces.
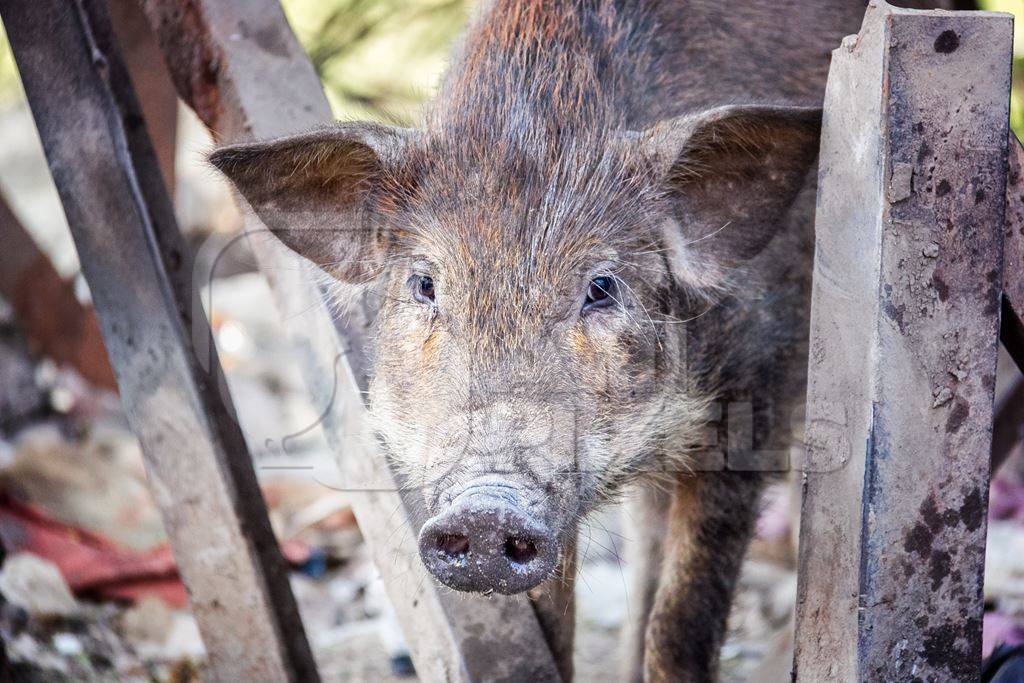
{"x":514,"y":169}
{"x":486,"y":240}
{"x":490,"y":213}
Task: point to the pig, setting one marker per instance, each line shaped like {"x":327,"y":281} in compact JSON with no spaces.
{"x":600,"y":235}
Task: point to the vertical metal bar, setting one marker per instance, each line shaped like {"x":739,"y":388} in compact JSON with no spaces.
{"x":904,"y":331}
{"x":138,"y":270}
{"x":238,"y":65}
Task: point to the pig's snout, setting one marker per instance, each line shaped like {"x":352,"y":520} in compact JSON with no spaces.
{"x":485,"y":542}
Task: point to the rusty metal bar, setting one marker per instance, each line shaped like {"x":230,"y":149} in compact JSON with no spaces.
{"x":238,"y":65}
{"x":55,"y":323}
{"x":904,"y":334}
{"x":138,"y":270}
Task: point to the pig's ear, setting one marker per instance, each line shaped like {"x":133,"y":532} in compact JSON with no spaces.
{"x":729,"y":175}
{"x":321,"y":192}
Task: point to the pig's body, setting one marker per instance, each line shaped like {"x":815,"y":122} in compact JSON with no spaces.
{"x":602,"y":233}
{"x":750,"y":348}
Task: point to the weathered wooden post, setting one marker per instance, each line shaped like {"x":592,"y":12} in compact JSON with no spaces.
{"x":138,"y":270}
{"x":238,"y":65}
{"x":904,"y":333}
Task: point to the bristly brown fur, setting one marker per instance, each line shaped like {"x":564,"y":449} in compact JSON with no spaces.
{"x":662,"y":144}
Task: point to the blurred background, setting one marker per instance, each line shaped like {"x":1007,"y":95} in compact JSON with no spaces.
{"x":89,"y":589}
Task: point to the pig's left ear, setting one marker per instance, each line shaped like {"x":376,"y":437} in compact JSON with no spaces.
{"x":323,"y":193}
{"x":729,"y":175}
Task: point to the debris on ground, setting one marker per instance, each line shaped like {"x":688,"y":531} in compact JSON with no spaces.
{"x":37,"y":586}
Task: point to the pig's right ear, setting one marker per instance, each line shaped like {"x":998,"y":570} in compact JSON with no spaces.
{"x":728,"y":176}
{"x":320,"y":192}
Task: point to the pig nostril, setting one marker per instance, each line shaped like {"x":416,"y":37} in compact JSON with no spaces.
{"x":520,"y":551}
{"x":453,"y":544}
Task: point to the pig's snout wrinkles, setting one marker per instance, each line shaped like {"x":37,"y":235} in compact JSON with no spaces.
{"x":486,"y":542}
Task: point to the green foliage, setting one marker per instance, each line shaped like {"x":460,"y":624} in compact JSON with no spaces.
{"x":1017,"y":95}
{"x":378,"y":59}
{"x":1016,"y":8}
{"x":10,"y":84}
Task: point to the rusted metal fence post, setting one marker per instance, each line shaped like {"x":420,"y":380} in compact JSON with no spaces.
{"x":238,"y":65}
{"x":904,"y":333}
{"x":55,"y":323}
{"x":138,"y":270}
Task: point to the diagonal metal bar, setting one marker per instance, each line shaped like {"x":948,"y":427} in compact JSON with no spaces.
{"x":138,"y":270}
{"x":1007,"y":423}
{"x":904,"y":337}
{"x":1012,"y":329}
{"x":238,"y":65}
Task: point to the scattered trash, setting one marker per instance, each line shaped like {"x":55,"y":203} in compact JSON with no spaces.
{"x":160,"y":633}
{"x":92,"y":481}
{"x":1000,"y":630}
{"x":1004,"y":569}
{"x":313,"y":519}
{"x":1006,"y":501}
{"x":67,"y":644}
{"x":36,"y":586}
{"x":91,"y":565}
{"x":1005,"y":665}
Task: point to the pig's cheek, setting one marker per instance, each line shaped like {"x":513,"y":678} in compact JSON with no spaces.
{"x":596,"y":355}
{"x":392,"y":413}
{"x":593,"y":458}
{"x":409,"y":453}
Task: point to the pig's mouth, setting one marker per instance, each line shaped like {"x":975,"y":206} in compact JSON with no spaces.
{"x":487,"y":541}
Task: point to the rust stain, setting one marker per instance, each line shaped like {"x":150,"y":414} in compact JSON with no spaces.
{"x":947,"y":42}
{"x":192,"y":55}
{"x":58,"y":326}
{"x":961,"y":411}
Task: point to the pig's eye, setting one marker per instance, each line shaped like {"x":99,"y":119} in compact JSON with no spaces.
{"x":424,"y":289}
{"x":600,"y":293}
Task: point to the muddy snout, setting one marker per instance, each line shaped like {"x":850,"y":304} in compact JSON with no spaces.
{"x":485,"y":541}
